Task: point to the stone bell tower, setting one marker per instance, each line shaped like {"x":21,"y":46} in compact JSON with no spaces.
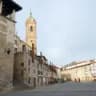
{"x":31,"y":32}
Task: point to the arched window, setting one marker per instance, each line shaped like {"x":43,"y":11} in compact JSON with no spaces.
{"x":23,"y":47}
{"x":31,"y":28}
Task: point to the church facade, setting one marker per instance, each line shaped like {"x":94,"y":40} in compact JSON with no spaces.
{"x":29,"y":67}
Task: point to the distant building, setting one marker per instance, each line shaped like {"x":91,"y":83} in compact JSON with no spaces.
{"x":47,"y":74}
{"x":8,"y":8}
{"x":79,"y":71}
{"x":42,"y":70}
{"x":53,"y":76}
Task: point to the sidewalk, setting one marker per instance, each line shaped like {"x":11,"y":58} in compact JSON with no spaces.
{"x":5,"y":90}
{"x":22,"y":87}
{"x":16,"y":87}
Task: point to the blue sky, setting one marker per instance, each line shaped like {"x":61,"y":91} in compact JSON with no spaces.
{"x":66,"y":29}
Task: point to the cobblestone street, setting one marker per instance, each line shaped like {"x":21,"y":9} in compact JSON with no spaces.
{"x":63,"y":89}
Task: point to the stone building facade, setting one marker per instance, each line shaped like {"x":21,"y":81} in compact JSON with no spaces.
{"x":80,"y":71}
{"x":31,"y":70}
{"x":8,"y":8}
{"x":19,"y":62}
{"x":25,"y":69}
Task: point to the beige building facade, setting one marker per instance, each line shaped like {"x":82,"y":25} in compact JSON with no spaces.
{"x":8,"y":8}
{"x":80,"y":71}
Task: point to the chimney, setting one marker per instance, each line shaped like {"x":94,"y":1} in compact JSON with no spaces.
{"x":41,"y":54}
{"x":41,"y":61}
{"x":33,"y":54}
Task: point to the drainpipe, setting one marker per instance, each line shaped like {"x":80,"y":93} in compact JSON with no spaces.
{"x":33,"y":54}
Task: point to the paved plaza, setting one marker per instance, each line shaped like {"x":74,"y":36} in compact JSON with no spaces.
{"x":62,"y":89}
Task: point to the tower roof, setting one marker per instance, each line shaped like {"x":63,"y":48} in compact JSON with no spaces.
{"x":30,"y":19}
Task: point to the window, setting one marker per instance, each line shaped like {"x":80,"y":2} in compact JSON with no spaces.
{"x":16,"y":42}
{"x":22,"y":73}
{"x":22,"y":64}
{"x":15,"y":50}
{"x":31,"y":41}
{"x":29,"y":69}
{"x":23,"y":47}
{"x":31,"y":28}
{"x":34,"y":71}
{"x":29,"y":62}
{"x":29,"y":79}
{"x":8,"y":51}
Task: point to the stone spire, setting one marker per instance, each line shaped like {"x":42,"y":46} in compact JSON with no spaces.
{"x":30,"y":13}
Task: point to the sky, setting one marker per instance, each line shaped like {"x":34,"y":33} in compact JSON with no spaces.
{"x":66,"y":29}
